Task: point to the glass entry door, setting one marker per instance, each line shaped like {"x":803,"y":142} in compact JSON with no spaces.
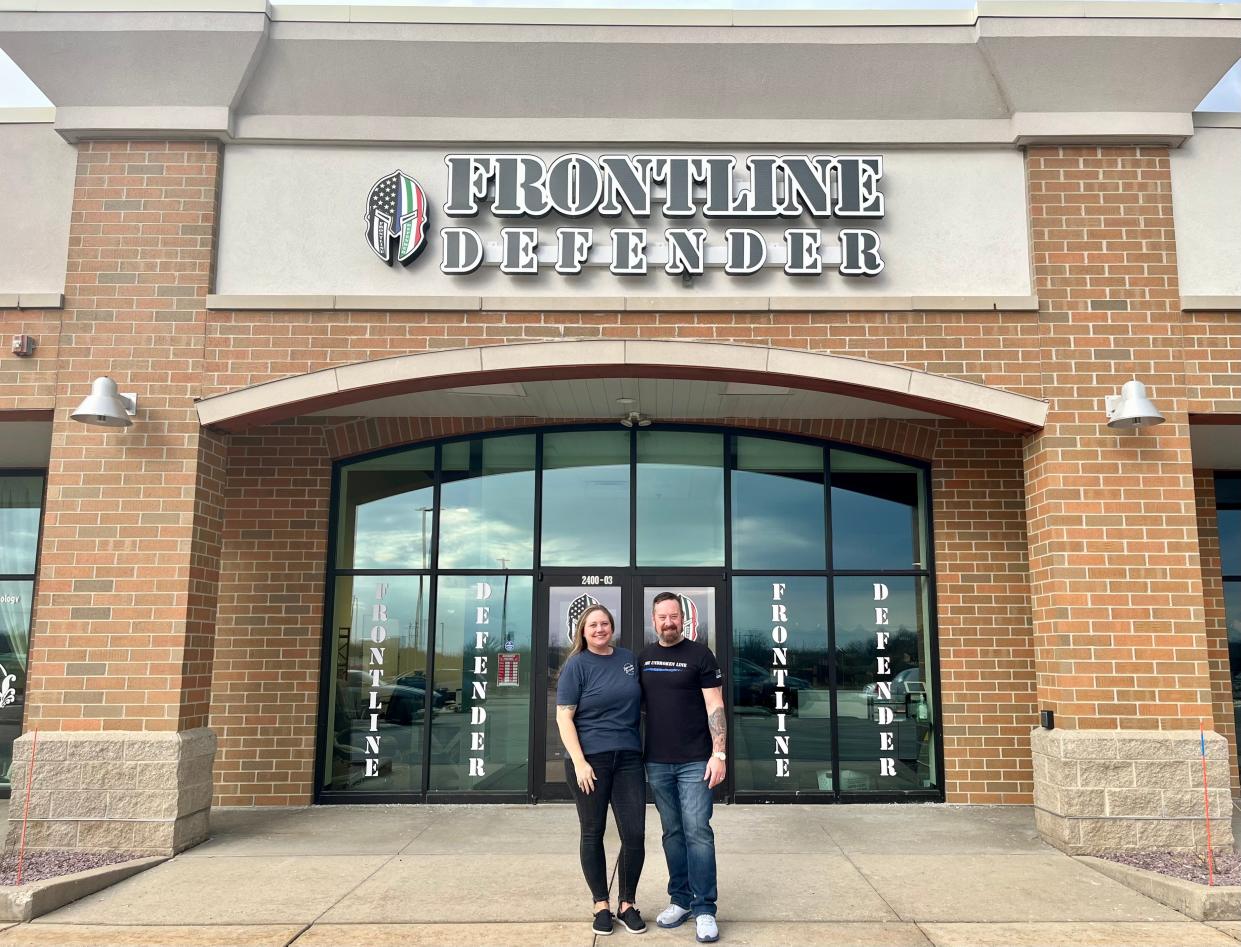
{"x":563,"y":596}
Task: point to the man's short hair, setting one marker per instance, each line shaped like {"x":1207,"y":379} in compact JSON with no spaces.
{"x":669,"y":597}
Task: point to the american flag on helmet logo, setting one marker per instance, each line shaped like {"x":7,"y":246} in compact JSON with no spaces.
{"x":576,"y":608}
{"x":689,"y":615}
{"x":396,"y":218}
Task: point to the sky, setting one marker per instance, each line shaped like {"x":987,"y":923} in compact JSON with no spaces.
{"x":17,"y":90}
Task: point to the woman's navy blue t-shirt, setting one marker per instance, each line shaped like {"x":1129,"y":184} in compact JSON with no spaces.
{"x":608,"y":698}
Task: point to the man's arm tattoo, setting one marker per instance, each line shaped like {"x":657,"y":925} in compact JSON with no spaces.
{"x":719,"y":729}
{"x":569,"y":707}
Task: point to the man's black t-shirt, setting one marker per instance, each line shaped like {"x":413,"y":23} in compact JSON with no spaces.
{"x":676,"y":716}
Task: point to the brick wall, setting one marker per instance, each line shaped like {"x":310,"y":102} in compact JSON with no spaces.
{"x":992,"y":348}
{"x":1115,"y":575}
{"x":986,"y":655}
{"x":269,"y":628}
{"x":123,"y":621}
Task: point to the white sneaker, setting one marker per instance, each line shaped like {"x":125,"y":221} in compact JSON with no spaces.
{"x":708,"y":932}
{"x":672,"y":916}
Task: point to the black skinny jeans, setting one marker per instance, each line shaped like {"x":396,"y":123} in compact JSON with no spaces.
{"x":619,"y":780}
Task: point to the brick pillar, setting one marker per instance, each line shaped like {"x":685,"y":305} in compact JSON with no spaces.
{"x":1116,"y":582}
{"x":120,"y":660}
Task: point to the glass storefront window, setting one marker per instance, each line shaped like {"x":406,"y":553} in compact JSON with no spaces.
{"x":487,"y":504}
{"x":1230,"y":541}
{"x":385,"y":512}
{"x":884,"y":704}
{"x":432,"y":688}
{"x":781,"y":689}
{"x":877,"y":513}
{"x":680,"y":499}
{"x":21,"y":505}
{"x":21,"y":508}
{"x":377,"y":688}
{"x":15,"y":606}
{"x":586,"y":499}
{"x":480,"y":732}
{"x":777,"y":505}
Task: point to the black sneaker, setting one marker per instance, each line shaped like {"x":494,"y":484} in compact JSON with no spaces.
{"x":603,"y":923}
{"x":632,"y":920}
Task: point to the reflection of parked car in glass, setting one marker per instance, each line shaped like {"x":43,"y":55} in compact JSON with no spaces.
{"x":906,"y":684}
{"x":407,"y":697}
{"x":755,"y":686}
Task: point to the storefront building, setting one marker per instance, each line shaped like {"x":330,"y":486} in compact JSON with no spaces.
{"x":441,"y":326}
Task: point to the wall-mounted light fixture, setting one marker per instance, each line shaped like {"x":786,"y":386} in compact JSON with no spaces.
{"x":105,"y":406}
{"x":1131,"y":408}
{"x":635,"y":419}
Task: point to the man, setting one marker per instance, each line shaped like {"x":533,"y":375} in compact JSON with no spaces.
{"x":685,"y":735}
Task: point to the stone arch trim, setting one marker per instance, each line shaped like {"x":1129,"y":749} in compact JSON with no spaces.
{"x":285,"y":398}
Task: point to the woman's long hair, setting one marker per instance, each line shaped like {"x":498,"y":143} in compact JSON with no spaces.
{"x":579,"y":632}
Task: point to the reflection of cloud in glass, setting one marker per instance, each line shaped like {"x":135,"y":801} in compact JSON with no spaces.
{"x":586,"y":516}
{"x":19,"y":539}
{"x":485,"y":519}
{"x":871,"y":532}
{"x":777,"y":522}
{"x":389,"y":533}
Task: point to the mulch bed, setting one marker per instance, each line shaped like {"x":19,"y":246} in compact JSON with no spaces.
{"x":1188,"y":866}
{"x":41,"y":865}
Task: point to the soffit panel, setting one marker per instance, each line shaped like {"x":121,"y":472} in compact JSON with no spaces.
{"x":663,"y":399}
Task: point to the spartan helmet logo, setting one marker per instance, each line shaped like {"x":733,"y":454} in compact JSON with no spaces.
{"x":396,"y":219}
{"x":689,"y":616}
{"x":575,"y":610}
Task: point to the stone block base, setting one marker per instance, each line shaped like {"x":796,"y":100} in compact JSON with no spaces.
{"x":1101,"y":791}
{"x":118,"y":791}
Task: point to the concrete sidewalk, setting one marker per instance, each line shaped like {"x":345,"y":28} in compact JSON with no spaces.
{"x":381,"y":876}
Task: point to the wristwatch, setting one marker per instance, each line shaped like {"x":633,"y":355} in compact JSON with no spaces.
{"x":720,"y":755}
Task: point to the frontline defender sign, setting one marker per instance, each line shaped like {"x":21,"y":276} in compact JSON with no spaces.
{"x":523,"y":188}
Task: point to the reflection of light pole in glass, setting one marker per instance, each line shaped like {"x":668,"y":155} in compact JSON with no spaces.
{"x":504,"y":601}
{"x":422,"y":550}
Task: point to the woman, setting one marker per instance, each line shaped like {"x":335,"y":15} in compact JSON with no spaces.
{"x":598,"y":704}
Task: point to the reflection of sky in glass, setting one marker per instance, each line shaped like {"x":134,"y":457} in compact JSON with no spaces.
{"x":777,"y":522}
{"x":21,"y":501}
{"x":586,"y":499}
{"x":1230,"y":541}
{"x":870,"y":532}
{"x":680,"y":499}
{"x":394,"y":533}
{"x":487,"y":519}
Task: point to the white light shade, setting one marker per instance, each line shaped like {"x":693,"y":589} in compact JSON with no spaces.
{"x":105,"y":406}
{"x":1133,"y":409}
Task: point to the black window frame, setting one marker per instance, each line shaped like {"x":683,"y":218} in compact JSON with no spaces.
{"x":728,"y":435}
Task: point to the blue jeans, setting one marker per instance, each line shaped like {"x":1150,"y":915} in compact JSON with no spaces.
{"x":684,"y":803}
